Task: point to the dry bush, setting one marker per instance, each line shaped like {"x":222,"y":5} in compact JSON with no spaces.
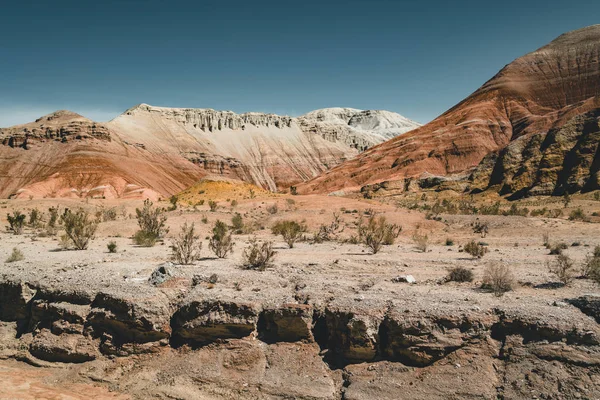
{"x":476,"y":250}
{"x":79,"y":228}
{"x":591,"y":267}
{"x":273,"y":209}
{"x":563,"y":268}
{"x":187,"y":246}
{"x":212,"y":205}
{"x":16,"y":221}
{"x":557,"y":248}
{"x":221,"y":242}
{"x":290,"y":230}
{"x":577,"y":215}
{"x":258,"y":256}
{"x":483,"y":228}
{"x":498,"y":278}
{"x":460,"y":274}
{"x":331,"y":231}
{"x":16,"y":255}
{"x":376,"y":232}
{"x":151,"y":221}
{"x":234,"y":203}
{"x":421,"y":242}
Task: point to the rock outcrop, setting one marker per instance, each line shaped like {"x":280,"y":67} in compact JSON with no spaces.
{"x":538,"y":104}
{"x":157,"y":151}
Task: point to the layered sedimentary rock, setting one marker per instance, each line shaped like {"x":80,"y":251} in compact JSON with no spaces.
{"x":527,"y":103}
{"x":158,"y":151}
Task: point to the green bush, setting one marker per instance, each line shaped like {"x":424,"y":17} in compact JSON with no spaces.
{"x":16,"y":222}
{"x":151,"y":221}
{"x":290,"y":230}
{"x":112,"y":246}
{"x":79,"y":228}
{"x":237,"y":223}
{"x":221,"y":242}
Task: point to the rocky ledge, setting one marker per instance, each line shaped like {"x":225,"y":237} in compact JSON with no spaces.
{"x":358,"y":353}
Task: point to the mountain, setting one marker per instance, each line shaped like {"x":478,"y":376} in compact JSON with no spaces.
{"x":531,"y":129}
{"x":159,"y":151}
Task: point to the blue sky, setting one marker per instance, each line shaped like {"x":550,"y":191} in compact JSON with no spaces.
{"x":99,"y":58}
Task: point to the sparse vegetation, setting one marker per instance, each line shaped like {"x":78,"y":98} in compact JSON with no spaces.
{"x":16,"y":255}
{"x":498,"y":278}
{"x":237,"y":223}
{"x":112,"y":246}
{"x":449,"y":242}
{"x":151,"y":221}
{"x":460,"y":274}
{"x":35,"y":218}
{"x":376,"y":232}
{"x":421,"y":241}
{"x":577,"y":215}
{"x":557,"y":248}
{"x":563,"y":268}
{"x":481,"y":228}
{"x":221,"y":242}
{"x":476,"y":250}
{"x":258,"y":256}
{"x":16,"y":221}
{"x":79,"y":228}
{"x":212,"y":205}
{"x":330,"y":231}
{"x":290,"y":230}
{"x":187,"y":246}
{"x":273,"y":209}
{"x":591,"y":267}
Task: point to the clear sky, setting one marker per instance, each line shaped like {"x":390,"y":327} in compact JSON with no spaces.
{"x":417,"y":58}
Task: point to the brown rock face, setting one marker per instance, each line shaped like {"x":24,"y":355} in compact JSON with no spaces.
{"x":155,"y":151}
{"x":535,"y":94}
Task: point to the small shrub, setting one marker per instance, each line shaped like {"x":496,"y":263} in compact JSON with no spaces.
{"x":460,"y":274}
{"x":421,"y":242}
{"x":376,"y":232}
{"x":112,"y":246}
{"x":563,"y":268}
{"x":79,"y":227}
{"x":591,"y":267}
{"x":329,"y":232}
{"x":151,"y":221}
{"x":237,"y":223}
{"x":273,"y":209}
{"x":173,"y":200}
{"x":258,"y":256}
{"x":204,"y":219}
{"x":234,"y":203}
{"x":187,"y":246}
{"x":449,"y":242}
{"x":290,"y":230}
{"x":577,"y":215}
{"x":558,"y":248}
{"x":476,"y":250}
{"x":498,"y":278}
{"x":35,"y":218}
{"x":220,"y":242}
{"x":16,"y":255}
{"x":212,"y":205}
{"x":482,"y":228}
{"x":546,"y":239}
{"x":107,"y":214}
{"x":16,"y":222}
